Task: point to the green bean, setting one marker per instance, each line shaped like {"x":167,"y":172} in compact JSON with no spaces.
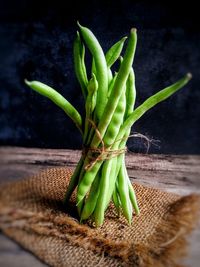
{"x":93,"y":67}
{"x":124,"y":195}
{"x":90,"y":104}
{"x":111,"y":85}
{"x":130,"y":102}
{"x":79,"y":65}
{"x":111,"y":56}
{"x":151,"y":102}
{"x":90,"y":176}
{"x":116,"y":199}
{"x":101,"y":68}
{"x":104,"y":188}
{"x":92,"y":131}
{"x":92,"y":89}
{"x":114,"y":52}
{"x":112,"y":181}
{"x":117,"y":90}
{"x":116,"y":121}
{"x":58,"y":99}
{"x":87,"y":179}
{"x":118,"y":167}
{"x":130,"y":94}
{"x":133,"y":197}
{"x":80,"y":206}
{"x":74,"y":180}
{"x":91,"y":201}
{"x":110,"y":77}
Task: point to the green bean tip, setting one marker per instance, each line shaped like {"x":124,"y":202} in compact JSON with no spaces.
{"x":124,"y":38}
{"x":27,"y":82}
{"x":137,"y":212}
{"x":79,"y":25}
{"x":189,"y":75}
{"x":93,"y":75}
{"x":133,"y":30}
{"x":120,"y":58}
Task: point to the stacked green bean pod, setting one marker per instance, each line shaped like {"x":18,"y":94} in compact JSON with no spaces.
{"x":101,"y":175}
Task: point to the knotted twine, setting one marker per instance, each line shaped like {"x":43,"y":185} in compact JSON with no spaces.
{"x":95,"y":154}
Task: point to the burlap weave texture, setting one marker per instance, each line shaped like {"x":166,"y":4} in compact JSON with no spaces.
{"x":32,"y":213}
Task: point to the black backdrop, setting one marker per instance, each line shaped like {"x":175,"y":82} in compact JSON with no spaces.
{"x":36,"y":43}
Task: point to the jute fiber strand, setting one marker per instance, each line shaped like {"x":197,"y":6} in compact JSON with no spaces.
{"x":32,"y":213}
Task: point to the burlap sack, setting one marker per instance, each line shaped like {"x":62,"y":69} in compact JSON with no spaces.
{"x":32,"y":213}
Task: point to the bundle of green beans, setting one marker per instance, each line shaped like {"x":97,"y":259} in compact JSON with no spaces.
{"x":101,"y":175}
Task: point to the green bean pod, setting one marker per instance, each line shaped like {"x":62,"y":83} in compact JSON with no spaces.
{"x":90,"y":104}
{"x":87,"y":179}
{"x":130,"y":93}
{"x":101,"y":68}
{"x":124,"y":195}
{"x":151,"y":102}
{"x":104,"y":188}
{"x":117,"y":90}
{"x":114,"y":52}
{"x":58,"y":99}
{"x":91,"y":200}
{"x":79,"y":64}
{"x":116,"y":199}
{"x":116,"y":121}
{"x":112,"y":181}
{"x":133,"y":197}
{"x":74,"y":180}
{"x":112,"y":83}
{"x":110,"y":77}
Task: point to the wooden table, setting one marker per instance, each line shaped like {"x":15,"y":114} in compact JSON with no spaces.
{"x":173,"y":173}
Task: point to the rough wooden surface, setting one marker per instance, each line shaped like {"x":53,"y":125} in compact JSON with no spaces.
{"x":174,"y":173}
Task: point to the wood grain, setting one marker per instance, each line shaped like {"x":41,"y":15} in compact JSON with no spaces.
{"x":174,"y":173}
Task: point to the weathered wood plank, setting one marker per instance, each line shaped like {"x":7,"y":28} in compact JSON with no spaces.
{"x":174,"y":173}
{"x":12,"y":255}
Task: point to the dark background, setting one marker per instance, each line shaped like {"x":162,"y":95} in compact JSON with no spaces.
{"x":36,"y":43}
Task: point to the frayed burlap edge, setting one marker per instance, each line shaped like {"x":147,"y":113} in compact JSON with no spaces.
{"x":169,"y":243}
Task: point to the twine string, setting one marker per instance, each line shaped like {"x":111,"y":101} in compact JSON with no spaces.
{"x":95,"y":154}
